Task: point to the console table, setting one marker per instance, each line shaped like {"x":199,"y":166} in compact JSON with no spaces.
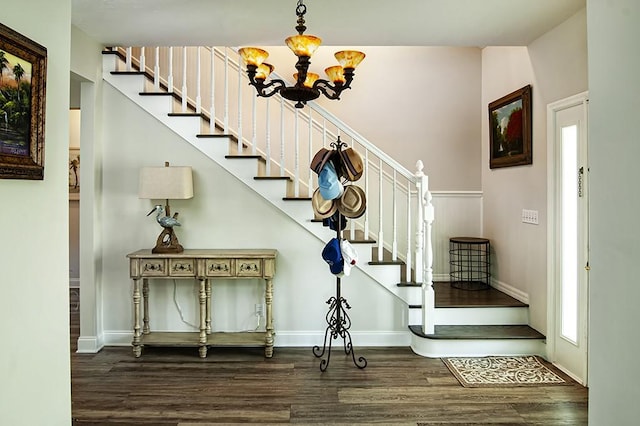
{"x":203,"y":266}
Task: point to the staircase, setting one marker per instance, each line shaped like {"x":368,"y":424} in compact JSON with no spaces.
{"x":397,"y":223}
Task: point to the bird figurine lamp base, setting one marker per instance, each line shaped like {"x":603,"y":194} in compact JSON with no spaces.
{"x":167,"y":242}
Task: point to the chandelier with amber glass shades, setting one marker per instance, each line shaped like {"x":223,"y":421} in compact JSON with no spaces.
{"x":308,"y":85}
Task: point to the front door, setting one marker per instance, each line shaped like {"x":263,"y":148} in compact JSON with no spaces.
{"x":569,"y":238}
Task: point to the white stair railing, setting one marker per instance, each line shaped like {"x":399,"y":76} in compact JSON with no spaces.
{"x":392,"y":191}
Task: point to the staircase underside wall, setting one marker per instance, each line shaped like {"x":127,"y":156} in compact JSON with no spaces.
{"x":224,"y":213}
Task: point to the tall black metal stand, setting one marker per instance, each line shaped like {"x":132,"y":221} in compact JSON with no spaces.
{"x":337,"y":318}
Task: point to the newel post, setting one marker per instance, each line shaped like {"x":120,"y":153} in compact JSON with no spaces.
{"x":424,"y":250}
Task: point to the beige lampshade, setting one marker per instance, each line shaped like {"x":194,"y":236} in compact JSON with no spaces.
{"x":303,"y":45}
{"x":263,"y":71}
{"x":349,"y":58}
{"x":166,"y":183}
{"x":253,"y":55}
{"x":335,"y":74}
{"x":308,"y":82}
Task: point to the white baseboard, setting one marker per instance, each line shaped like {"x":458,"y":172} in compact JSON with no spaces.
{"x":511,"y":291}
{"x":89,"y":345}
{"x":439,"y":348}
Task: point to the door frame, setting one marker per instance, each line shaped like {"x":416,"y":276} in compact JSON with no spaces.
{"x":553,"y":220}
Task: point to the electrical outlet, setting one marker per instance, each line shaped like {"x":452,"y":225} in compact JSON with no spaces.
{"x":259,"y":309}
{"x":530,"y":216}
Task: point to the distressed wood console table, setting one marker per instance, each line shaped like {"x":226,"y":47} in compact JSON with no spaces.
{"x":201,"y":265}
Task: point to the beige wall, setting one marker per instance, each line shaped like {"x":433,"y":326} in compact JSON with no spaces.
{"x":415,"y":103}
{"x":555,"y":66}
{"x":224,"y":213}
{"x":34,"y":307}
{"x":614,"y":110}
{"x":86,"y":77}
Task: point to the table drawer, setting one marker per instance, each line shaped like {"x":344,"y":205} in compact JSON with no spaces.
{"x":153,"y":267}
{"x":182,"y":267}
{"x":219,"y":267}
{"x":249,"y":267}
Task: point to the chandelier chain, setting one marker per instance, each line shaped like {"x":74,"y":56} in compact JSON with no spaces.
{"x":301,"y":9}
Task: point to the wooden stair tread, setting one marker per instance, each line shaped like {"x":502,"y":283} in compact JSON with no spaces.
{"x":155,"y":94}
{"x":271,"y":178}
{"x":187,"y":114}
{"x":479,"y":332}
{"x":214,"y":135}
{"x":296,"y":198}
{"x":249,"y":156}
{"x":447,"y":296}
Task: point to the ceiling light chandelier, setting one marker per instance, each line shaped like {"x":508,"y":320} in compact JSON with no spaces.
{"x":308,"y":85}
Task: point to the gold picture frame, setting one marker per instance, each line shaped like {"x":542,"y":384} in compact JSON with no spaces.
{"x":23,"y":71}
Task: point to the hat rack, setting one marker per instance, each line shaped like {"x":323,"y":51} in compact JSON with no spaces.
{"x":338,"y":321}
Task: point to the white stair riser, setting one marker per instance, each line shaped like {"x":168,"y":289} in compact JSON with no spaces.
{"x":411,"y":295}
{"x":437,"y":348}
{"x":415,"y":316}
{"x":482,"y":316}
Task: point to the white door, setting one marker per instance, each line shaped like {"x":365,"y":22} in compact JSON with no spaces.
{"x":569,"y":238}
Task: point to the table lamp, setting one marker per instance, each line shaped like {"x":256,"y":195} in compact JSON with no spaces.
{"x":168,"y":182}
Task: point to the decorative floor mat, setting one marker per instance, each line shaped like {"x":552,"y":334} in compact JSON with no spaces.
{"x":496,"y":371}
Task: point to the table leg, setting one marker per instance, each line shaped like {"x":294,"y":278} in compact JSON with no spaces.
{"x":268,"y":300}
{"x":137,"y":350}
{"x":203,"y":326}
{"x":208,"y":308}
{"x":145,"y":302}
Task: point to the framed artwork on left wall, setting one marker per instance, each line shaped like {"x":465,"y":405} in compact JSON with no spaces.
{"x":23,"y":71}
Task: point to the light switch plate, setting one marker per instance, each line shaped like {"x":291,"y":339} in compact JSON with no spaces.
{"x":530,"y":216}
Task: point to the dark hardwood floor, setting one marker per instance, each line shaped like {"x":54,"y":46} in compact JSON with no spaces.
{"x":173,"y":386}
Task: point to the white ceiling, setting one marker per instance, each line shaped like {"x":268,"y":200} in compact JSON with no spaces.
{"x":338,"y":22}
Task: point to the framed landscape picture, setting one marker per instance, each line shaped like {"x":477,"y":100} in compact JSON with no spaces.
{"x":510,"y":129}
{"x":23,"y":71}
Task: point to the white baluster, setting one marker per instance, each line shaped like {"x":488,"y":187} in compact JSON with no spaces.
{"x":184,"y":79}
{"x":296,"y":159}
{"x":198,"y":83}
{"x":394,"y":245}
{"x":212,"y":108}
{"x":310,"y":181}
{"x":419,"y":176}
{"x":240,"y":144}
{"x":156,"y":71}
{"x":170,"y":78}
{"x":226,"y":91}
{"x":352,"y":223}
{"x":428,"y":294}
{"x":409,"y":260}
{"x":380,"y":225}
{"x":128,"y":59}
{"x":366,"y":192}
{"x":281,"y":136}
{"x":324,"y":132}
{"x":268,"y":137}
{"x":142,"y":60}
{"x":254,"y":136}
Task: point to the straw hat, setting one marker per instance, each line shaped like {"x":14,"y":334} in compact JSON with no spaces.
{"x":321,"y":207}
{"x":352,"y":165}
{"x":353,"y":202}
{"x":320,"y":159}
